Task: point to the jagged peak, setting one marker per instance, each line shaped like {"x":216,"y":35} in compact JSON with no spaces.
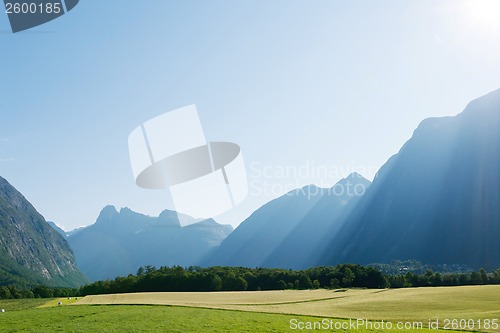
{"x":354,"y":176}
{"x":169,"y":216}
{"x":351,"y":186}
{"x":107,"y":213}
{"x":167,"y":213}
{"x":128,"y":211}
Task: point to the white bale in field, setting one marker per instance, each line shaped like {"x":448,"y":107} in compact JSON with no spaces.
{"x":59,"y":303}
{"x":2,"y":310}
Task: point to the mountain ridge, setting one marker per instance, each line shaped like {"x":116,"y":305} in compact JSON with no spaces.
{"x":125,"y":240}
{"x":284,"y":232}
{"x":436,"y":200}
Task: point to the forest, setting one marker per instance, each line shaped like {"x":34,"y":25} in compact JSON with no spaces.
{"x":179,"y":279}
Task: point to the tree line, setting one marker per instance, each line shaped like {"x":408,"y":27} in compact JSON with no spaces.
{"x":149,"y":279}
{"x":12,"y":292}
{"x":152,"y":279}
{"x":436,"y":279}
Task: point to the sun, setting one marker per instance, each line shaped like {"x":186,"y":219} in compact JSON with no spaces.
{"x":484,"y":13}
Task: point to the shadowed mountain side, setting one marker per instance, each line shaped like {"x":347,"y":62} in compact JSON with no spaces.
{"x":121,"y":242}
{"x":31,"y":252}
{"x":308,"y":239}
{"x":437,"y":200}
{"x":287,"y":232}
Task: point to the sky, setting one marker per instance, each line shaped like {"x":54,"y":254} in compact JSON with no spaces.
{"x":301,"y":86}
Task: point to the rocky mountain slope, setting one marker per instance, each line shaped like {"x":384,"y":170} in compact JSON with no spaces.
{"x":31,"y":252}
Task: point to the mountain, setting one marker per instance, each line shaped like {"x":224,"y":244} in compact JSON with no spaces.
{"x":437,"y":200}
{"x":74,"y":231}
{"x":31,"y":252}
{"x":58,"y":229}
{"x":288,"y":232}
{"x":64,"y":233}
{"x":118,"y":243}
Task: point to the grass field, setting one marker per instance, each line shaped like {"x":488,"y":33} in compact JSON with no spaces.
{"x":55,"y":302}
{"x":21,"y":304}
{"x":137,"y":318}
{"x":267,"y":311}
{"x":409,"y":304}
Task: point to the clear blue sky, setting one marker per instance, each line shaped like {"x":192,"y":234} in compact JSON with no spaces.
{"x":295,"y":83}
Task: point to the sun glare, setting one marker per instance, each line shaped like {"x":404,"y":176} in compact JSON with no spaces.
{"x":484,"y":13}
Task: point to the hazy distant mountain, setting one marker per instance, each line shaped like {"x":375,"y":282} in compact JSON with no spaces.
{"x":58,"y":229}
{"x":289,"y":231}
{"x":31,"y":252}
{"x":74,"y":231}
{"x":121,"y":242}
{"x":437,"y":200}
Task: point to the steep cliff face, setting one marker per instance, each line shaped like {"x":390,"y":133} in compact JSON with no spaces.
{"x":437,"y":200}
{"x":31,"y":252}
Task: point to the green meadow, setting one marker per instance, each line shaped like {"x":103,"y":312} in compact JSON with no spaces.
{"x":274,"y":311}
